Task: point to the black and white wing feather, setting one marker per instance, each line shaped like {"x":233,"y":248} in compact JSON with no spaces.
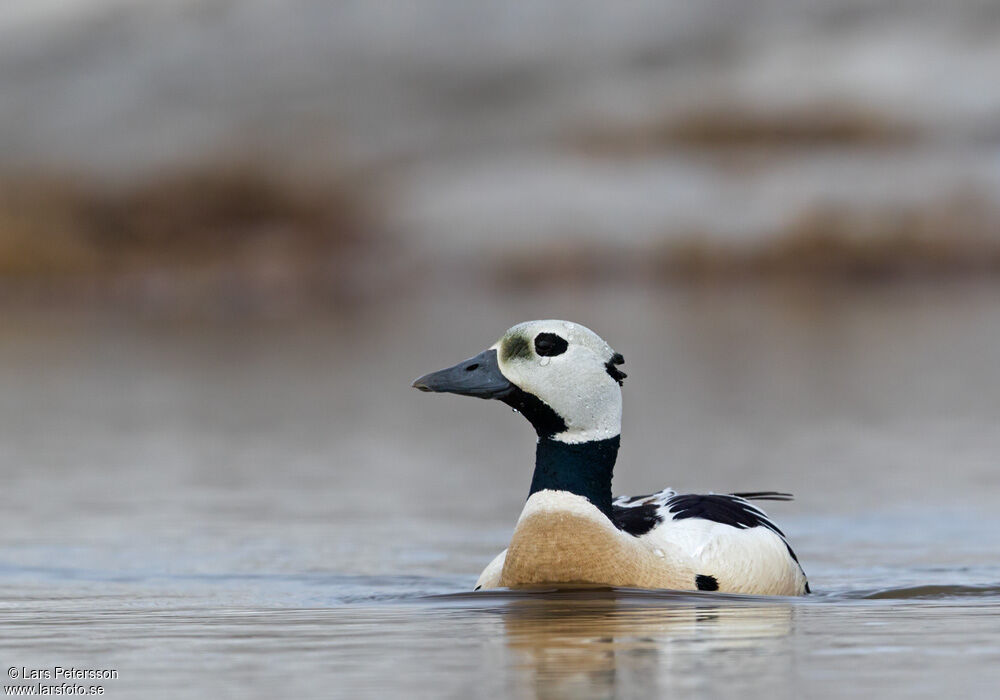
{"x":639,"y":514}
{"x":692,"y":522}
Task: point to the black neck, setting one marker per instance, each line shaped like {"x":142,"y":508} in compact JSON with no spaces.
{"x":584,"y":469}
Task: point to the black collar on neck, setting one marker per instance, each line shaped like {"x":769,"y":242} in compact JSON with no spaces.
{"x":583,"y":468}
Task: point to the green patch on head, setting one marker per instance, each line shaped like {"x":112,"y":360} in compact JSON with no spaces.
{"x":515,"y":345}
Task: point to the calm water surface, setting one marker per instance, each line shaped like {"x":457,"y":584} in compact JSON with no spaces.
{"x":267,"y":510}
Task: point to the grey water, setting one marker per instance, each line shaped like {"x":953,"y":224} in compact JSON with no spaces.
{"x":267,"y":509}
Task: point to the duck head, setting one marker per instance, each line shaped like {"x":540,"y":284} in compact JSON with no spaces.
{"x":561,"y":376}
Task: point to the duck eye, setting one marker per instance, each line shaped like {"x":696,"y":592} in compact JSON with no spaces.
{"x":550,"y":344}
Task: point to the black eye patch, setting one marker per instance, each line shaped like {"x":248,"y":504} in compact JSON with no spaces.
{"x":550,"y":344}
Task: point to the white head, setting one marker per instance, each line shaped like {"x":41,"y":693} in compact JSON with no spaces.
{"x":562,"y":376}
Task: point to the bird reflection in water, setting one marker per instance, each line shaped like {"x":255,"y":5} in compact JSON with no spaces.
{"x":601,"y":643}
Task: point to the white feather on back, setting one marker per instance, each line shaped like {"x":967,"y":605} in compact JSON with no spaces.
{"x":752,"y":560}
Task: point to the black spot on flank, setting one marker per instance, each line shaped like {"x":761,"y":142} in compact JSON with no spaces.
{"x":636,"y":520}
{"x":550,"y":344}
{"x":706,"y":583}
{"x":515,"y":346}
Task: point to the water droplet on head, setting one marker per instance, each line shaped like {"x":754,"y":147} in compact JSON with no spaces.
{"x":515,"y":410}
{"x":543,"y":361}
{"x":658,"y":552}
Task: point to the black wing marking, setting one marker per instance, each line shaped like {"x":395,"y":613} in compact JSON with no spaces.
{"x":637,"y":515}
{"x":764,"y":496}
{"x":726,"y":509}
{"x":638,"y":519}
{"x":733,"y":509}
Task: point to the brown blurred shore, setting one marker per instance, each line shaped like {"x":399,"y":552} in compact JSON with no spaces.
{"x":953,"y":239}
{"x":271,"y":158}
{"x":221,"y":239}
{"x":239,"y":241}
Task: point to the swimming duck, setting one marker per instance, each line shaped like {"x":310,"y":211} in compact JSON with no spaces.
{"x":567,"y":382}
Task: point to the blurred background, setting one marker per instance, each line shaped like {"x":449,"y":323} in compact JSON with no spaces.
{"x":233,"y":231}
{"x":213,"y":156}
